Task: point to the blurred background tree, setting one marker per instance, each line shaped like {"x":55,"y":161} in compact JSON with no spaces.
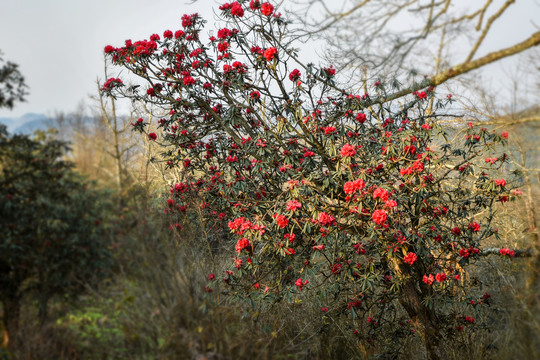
{"x":53,"y":241}
{"x":12,"y":85}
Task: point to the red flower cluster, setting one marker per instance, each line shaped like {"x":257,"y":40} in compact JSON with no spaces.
{"x":507,"y":252}
{"x":381,"y":193}
{"x":282,"y":221}
{"x":240,"y":225}
{"x":326,"y":219}
{"x":428,"y":279}
{"x":474,"y":226}
{"x":420,"y":94}
{"x":112,"y":83}
{"x":410,"y":258}
{"x":300,"y":284}
{"x":295,"y":75}
{"x":379,"y":217}
{"x":348,"y":150}
{"x":330,"y":71}
{"x":440,"y":277}
{"x":466,"y":253}
{"x":270,"y":53}
{"x":351,"y":187}
{"x":242,"y":244}
{"x":235,"y":8}
{"x":267,"y":9}
{"x":361,"y":118}
{"x":293,"y":205}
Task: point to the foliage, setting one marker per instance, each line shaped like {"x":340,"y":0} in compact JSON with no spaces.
{"x":52,"y":242}
{"x":12,"y":85}
{"x":360,"y":201}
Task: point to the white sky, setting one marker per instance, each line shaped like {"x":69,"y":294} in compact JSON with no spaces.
{"x":59,"y":43}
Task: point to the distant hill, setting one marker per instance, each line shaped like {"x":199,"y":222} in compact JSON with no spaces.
{"x":26,"y":124}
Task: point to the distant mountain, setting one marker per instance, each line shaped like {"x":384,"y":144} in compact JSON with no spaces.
{"x":26,"y":124}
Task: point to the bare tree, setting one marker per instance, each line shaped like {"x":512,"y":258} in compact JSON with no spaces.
{"x":383,"y":36}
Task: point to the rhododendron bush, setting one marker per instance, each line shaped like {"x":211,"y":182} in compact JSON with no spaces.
{"x":365,"y":203}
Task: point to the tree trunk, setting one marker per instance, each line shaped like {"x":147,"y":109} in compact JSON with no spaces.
{"x":12,"y":310}
{"x":424,"y":319}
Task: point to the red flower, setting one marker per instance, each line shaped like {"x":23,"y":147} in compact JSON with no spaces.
{"x":267,"y":9}
{"x":242,"y":244}
{"x":236,"y":9}
{"x":353,"y":186}
{"x":410,"y":258}
{"x":295,"y":75}
{"x":290,"y":237}
{"x":318,"y":247}
{"x":348,"y":150}
{"x":428,"y":279}
{"x":326,"y":219}
{"x":178,"y":34}
{"x":167,"y":34}
{"x":474,"y":227}
{"x":111,"y":83}
{"x":224,"y":33}
{"x":504,"y":134}
{"x":379,"y":217}
{"x":406,"y":171}
{"x":418,"y":166}
{"x":293,"y":205}
{"x":188,"y":80}
{"x":152,"y":136}
{"x":223,"y":46}
{"x":500,"y":182}
{"x":188,"y":20}
{"x":456,"y":231}
{"x":109,"y":49}
{"x":361,"y":117}
{"x":270,"y":53}
{"x":282,"y":221}
{"x":238,"y":262}
{"x":211,"y":277}
{"x":290,"y":251}
{"x":300,"y":284}
{"x":380,"y":193}
{"x":420,"y":94}
{"x":329,"y":130}
{"x":440,"y":277}
{"x":330,"y":71}
{"x":508,"y":252}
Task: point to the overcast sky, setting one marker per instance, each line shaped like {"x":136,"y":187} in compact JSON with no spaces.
{"x":59,"y":43}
